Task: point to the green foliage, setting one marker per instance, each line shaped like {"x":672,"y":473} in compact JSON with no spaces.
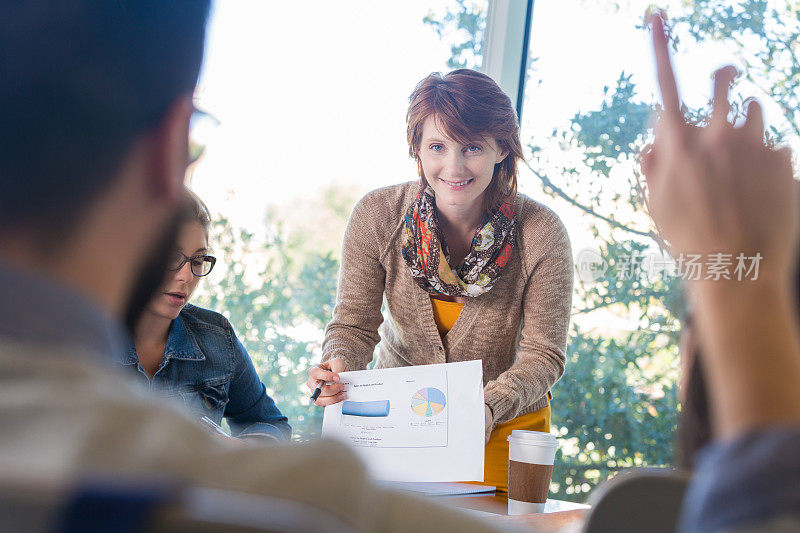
{"x":616,"y":405}
{"x":765,"y":36}
{"x":274,"y":297}
{"x":615,"y":130}
{"x":613,"y":409}
{"x":717,"y":20}
{"x":653,"y":302}
{"x":462,"y":25}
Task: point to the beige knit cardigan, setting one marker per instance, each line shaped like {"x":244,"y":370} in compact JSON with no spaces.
{"x":518,"y":329}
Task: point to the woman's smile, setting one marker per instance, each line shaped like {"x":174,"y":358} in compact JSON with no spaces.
{"x":456,"y":185}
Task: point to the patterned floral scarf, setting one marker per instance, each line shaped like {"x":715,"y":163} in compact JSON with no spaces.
{"x":426,"y":254}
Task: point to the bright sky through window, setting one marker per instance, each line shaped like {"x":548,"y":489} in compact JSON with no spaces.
{"x":314,"y":94}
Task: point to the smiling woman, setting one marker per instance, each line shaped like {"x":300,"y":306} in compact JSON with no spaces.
{"x":470,"y":269}
{"x":192,"y":355}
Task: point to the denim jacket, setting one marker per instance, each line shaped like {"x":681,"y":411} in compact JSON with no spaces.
{"x":206,"y":366}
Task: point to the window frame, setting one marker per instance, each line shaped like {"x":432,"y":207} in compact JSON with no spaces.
{"x":505,"y":47}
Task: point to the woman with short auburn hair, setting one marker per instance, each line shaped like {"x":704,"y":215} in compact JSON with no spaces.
{"x":469,"y":268}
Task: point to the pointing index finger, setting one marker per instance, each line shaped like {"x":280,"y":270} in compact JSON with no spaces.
{"x":664,"y":72}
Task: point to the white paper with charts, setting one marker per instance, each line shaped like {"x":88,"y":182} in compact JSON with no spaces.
{"x":413,"y":423}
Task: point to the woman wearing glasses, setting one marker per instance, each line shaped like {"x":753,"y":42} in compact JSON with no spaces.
{"x":185,"y":352}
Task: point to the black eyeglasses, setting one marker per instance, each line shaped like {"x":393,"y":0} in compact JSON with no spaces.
{"x":201,"y":265}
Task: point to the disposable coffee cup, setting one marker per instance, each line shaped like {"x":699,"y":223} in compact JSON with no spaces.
{"x":530,"y":467}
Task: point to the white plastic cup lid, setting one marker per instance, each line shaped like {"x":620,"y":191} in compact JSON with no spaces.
{"x":533,"y":437}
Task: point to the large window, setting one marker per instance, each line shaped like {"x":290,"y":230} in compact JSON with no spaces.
{"x":308,"y":104}
{"x":587,"y":113}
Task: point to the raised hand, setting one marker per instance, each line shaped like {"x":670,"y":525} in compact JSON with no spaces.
{"x":719,"y":188}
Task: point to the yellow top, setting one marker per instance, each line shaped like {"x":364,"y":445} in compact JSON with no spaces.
{"x":495,"y":470}
{"x":445,"y":314}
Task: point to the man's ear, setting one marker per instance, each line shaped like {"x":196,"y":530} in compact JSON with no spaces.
{"x":170,"y":151}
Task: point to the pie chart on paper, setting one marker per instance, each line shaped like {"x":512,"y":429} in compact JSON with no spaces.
{"x":428,"y":402}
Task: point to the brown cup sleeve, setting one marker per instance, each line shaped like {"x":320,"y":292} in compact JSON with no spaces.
{"x":528,"y":482}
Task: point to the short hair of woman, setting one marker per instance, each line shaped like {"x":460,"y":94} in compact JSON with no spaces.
{"x":468,"y":105}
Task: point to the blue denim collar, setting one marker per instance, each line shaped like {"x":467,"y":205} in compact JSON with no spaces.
{"x":180,"y":345}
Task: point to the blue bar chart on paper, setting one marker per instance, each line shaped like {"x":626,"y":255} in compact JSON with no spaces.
{"x":408,"y":413}
{"x":376,"y":408}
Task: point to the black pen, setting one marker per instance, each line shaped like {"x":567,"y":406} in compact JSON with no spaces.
{"x":318,"y":390}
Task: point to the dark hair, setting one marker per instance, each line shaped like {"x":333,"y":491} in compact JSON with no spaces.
{"x":81,"y":80}
{"x":467,"y":104}
{"x":694,"y":426}
{"x":195,"y":210}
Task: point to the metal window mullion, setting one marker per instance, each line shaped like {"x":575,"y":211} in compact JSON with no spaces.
{"x":505,"y":46}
